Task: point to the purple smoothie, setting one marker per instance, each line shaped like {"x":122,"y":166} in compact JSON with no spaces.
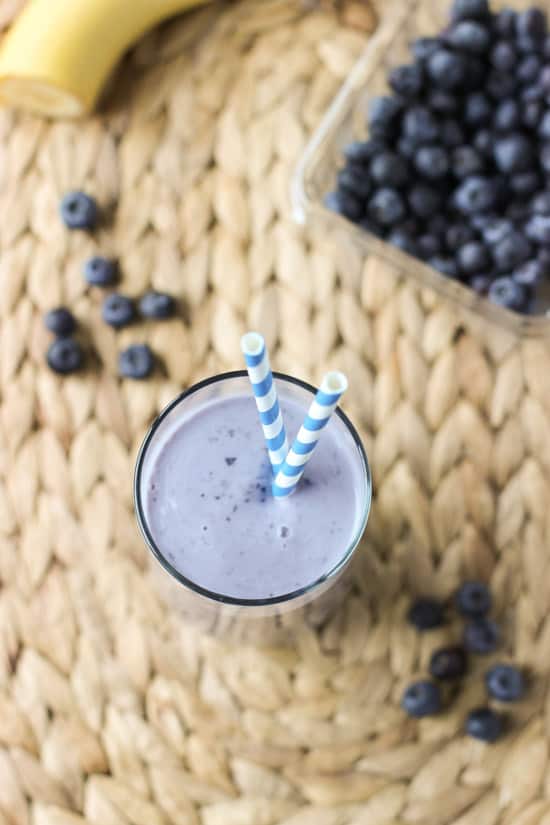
{"x":210,"y":511}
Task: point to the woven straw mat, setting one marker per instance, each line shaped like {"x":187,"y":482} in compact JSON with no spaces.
{"x":111,"y":711}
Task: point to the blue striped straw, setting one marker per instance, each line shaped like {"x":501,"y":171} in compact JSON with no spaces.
{"x":333,"y":385}
{"x":263,"y":387}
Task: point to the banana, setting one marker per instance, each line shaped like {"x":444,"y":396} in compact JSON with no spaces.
{"x":58,"y":54}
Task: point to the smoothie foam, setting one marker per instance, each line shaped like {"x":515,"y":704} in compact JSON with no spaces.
{"x":211,"y":514}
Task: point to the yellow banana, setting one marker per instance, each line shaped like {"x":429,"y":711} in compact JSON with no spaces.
{"x":58,"y":54}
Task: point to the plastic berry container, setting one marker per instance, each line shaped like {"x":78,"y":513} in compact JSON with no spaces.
{"x":456,"y":389}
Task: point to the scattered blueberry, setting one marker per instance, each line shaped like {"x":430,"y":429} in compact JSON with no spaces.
{"x":449,"y":663}
{"x":475,"y":194}
{"x":65,"y":356}
{"x":156,"y":305}
{"x":118,"y":310}
{"x":496,"y":230}
{"x":421,"y":699}
{"x":100,"y":271}
{"x":78,"y":210}
{"x":481,"y":636}
{"x":60,"y":321}
{"x":484,"y":724}
{"x":426,"y":614}
{"x":137,"y":361}
{"x":505,"y":683}
{"x":473,"y":599}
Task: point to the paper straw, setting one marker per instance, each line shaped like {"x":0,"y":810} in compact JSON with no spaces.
{"x":333,"y":385}
{"x":263,"y":387}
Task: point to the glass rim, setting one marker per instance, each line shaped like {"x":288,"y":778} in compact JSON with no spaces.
{"x":221,"y":597}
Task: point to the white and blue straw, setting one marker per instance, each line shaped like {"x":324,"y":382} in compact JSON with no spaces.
{"x":263,"y":387}
{"x":333,"y":385}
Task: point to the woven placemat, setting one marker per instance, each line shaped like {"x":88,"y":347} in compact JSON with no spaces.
{"x":113,"y":712}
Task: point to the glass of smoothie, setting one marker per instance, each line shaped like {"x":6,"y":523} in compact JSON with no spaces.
{"x":228,"y":554}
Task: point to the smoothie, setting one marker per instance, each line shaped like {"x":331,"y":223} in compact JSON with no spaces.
{"x":210,"y":512}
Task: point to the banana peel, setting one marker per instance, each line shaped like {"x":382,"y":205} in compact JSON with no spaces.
{"x":58,"y":54}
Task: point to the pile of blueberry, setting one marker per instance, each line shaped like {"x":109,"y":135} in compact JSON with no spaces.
{"x":456,"y":170}
{"x":65,"y":355}
{"x":504,"y":682}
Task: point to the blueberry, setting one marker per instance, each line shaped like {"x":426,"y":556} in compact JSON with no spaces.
{"x":511,"y":251}
{"x":505,"y":683}
{"x":407,"y":80}
{"x":156,"y":305}
{"x":362,"y":151}
{"x":513,"y":153}
{"x":457,"y":235}
{"x":545,"y":51}
{"x":449,"y":663}
{"x":428,"y":246}
{"x":469,"y":9}
{"x":505,"y":22}
{"x":118,"y":310}
{"x":481,"y":636}
{"x":354,"y":181}
{"x":530,"y":45}
{"x":476,"y":73}
{"x":420,"y":125}
{"x":501,"y":84}
{"x":517,"y":211}
{"x":442,"y":102}
{"x":531,"y":23}
{"x":543,"y":259}
{"x":473,"y":599}
{"x":532,"y":92}
{"x":529,"y":274}
{"x":444,"y":265}
{"x":507,"y":115}
{"x":472,"y":257}
{"x":503,"y":56}
{"x":465,"y":161}
{"x":421,"y":699}
{"x":531,"y":114}
{"x":544,"y":79}
{"x":540,"y":205}
{"x":528,"y":69}
{"x":484,"y":724}
{"x":65,"y":356}
{"x":136,"y":362}
{"x":476,"y":194}
{"x":406,"y":147}
{"x":525,"y":183}
{"x":478,"y":109}
{"x":483,"y":142}
{"x":60,"y":321}
{"x":78,"y":210}
{"x":386,"y":207}
{"x":538,"y":229}
{"x":452,"y":133}
{"x":447,"y":69}
{"x":544,"y":128}
{"x":389,"y":169}
{"x":480,"y":283}
{"x":100,"y":271}
{"x":426,"y":614}
{"x":544,"y":157}
{"x":383,"y":115}
{"x":403,"y":240}
{"x":509,"y":294}
{"x":469,"y":36}
{"x":345,"y":203}
{"x":496,"y":229}
{"x":424,"y":200}
{"x":423,"y":47}
{"x":432,"y":162}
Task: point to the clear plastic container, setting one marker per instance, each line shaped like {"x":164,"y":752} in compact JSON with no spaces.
{"x":458,"y":396}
